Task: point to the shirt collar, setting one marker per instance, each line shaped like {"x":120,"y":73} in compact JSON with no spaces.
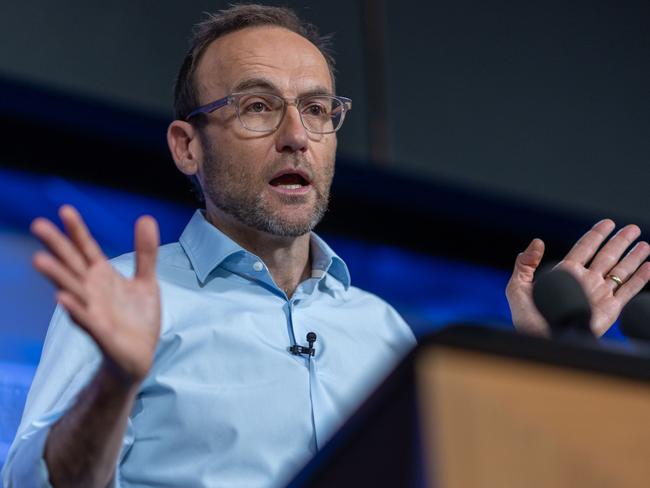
{"x":325,"y":260}
{"x":207,"y":248}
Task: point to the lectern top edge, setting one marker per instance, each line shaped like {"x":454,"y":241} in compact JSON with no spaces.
{"x":627,"y":360}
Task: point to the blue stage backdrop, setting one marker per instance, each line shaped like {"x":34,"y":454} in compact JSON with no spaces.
{"x":429,"y":291}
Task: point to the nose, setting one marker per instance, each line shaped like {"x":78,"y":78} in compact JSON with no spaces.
{"x":291,"y":136}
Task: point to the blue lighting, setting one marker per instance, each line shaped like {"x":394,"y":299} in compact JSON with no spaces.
{"x":429,"y":291}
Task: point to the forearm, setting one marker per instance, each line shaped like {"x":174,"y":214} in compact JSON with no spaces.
{"x":82,"y":447}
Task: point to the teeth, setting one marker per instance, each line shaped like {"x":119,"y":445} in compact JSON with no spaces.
{"x":290,"y":187}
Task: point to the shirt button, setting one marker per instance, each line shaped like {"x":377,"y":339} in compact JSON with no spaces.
{"x":257,"y":266}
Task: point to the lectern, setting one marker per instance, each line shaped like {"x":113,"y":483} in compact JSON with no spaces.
{"x":478,"y":407}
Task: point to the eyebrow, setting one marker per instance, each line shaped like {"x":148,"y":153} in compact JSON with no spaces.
{"x":252,"y":84}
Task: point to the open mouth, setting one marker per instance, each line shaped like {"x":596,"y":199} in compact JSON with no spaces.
{"x":290,"y":181}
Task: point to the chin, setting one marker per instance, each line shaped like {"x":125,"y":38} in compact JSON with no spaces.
{"x":290,"y":226}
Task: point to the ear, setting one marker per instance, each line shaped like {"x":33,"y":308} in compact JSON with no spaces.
{"x":184,"y":145}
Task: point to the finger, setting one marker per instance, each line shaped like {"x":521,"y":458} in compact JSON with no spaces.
{"x":634,"y":284}
{"x":77,"y":311}
{"x":630,"y":263}
{"x":79,"y":234}
{"x":611,"y":252}
{"x":58,"y":244}
{"x":588,"y":244}
{"x":58,"y":274}
{"x":526,"y":264}
{"x":147,"y":239}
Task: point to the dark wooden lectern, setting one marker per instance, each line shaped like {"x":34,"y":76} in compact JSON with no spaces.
{"x":476,"y":407}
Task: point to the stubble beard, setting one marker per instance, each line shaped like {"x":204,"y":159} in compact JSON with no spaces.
{"x":228,"y":189}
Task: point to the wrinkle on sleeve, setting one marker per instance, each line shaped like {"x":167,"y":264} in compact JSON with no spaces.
{"x":68,"y":361}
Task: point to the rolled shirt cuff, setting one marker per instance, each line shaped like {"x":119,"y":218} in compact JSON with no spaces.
{"x":25,"y":467}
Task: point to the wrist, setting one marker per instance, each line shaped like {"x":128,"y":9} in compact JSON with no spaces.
{"x":115,"y":382}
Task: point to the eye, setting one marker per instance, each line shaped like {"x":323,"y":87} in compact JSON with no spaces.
{"x":316,"y":109}
{"x":259,"y":103}
{"x":255,"y":106}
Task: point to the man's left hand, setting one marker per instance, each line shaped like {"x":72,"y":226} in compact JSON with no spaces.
{"x":593,"y":267}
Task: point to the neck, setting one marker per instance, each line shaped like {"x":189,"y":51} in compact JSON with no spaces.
{"x":287,"y":258}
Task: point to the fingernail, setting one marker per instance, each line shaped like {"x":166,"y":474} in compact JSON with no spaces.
{"x":604,"y":220}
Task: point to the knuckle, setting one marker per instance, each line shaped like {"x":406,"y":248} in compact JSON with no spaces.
{"x":643,"y":247}
{"x":607,"y":255}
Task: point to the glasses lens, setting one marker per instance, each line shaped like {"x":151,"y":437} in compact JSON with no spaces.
{"x":322,"y":114}
{"x":260,"y":112}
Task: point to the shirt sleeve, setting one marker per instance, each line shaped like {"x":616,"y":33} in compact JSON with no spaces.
{"x":68,"y":361}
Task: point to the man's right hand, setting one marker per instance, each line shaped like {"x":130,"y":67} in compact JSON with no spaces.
{"x":122,"y":315}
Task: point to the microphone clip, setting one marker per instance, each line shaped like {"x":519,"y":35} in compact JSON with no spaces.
{"x":307,"y":351}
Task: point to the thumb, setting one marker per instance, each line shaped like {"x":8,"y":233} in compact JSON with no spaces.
{"x":528,"y":261}
{"x":147,"y":239}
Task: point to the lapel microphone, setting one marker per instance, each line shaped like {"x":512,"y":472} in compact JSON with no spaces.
{"x":307,"y":351}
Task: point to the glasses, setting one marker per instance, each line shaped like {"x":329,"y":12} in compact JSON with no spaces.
{"x":263,"y":112}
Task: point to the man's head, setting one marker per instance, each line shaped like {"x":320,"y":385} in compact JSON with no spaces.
{"x":278,"y":181}
{"x":186,"y":94}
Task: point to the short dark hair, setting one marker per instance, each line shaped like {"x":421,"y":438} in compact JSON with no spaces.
{"x":234,"y":18}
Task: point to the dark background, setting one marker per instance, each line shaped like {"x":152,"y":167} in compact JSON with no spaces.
{"x":475,"y":127}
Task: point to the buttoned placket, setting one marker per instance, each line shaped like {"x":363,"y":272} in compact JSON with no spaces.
{"x":299,"y":332}
{"x":322,"y":409}
{"x":324,"y":412}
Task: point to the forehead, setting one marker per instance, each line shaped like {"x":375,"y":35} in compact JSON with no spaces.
{"x":287,"y":60}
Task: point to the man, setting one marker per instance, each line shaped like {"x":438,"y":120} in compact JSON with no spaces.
{"x":203,"y":389}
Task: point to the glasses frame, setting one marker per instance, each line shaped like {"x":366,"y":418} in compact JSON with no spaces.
{"x":233,"y":99}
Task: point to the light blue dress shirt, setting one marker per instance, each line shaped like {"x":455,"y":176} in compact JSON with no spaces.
{"x":225,"y":404}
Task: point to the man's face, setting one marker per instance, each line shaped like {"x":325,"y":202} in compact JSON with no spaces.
{"x":279,"y":182}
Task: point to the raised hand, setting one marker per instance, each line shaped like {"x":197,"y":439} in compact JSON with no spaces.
{"x":598,"y":271}
{"x":122,"y":315}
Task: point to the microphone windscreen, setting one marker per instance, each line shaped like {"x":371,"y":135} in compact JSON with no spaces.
{"x":562,"y":301}
{"x":635,"y":318}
